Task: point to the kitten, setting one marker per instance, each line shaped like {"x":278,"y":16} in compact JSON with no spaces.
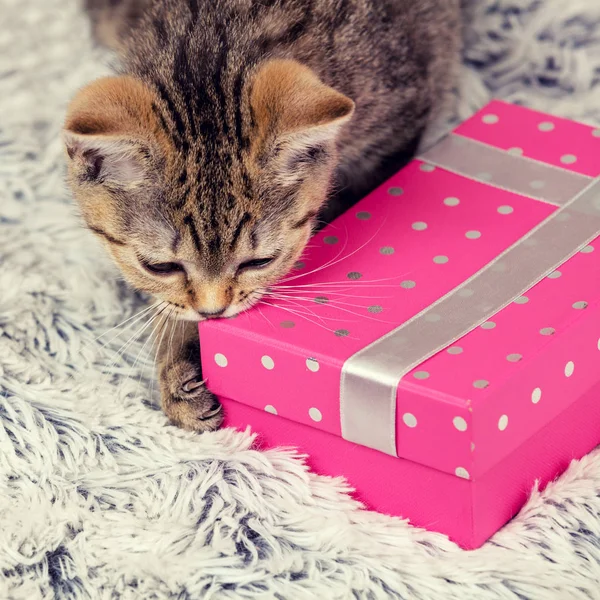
{"x":204,"y":163}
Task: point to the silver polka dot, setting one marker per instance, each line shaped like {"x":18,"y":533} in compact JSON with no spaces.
{"x":221,"y":359}
{"x":596,"y":132}
{"x":488,"y":325}
{"x":299,"y":265}
{"x":363,"y":215}
{"x":342,"y":332}
{"x":547,"y":330}
{"x":454,"y":350}
{"x":375,"y":309}
{"x":481,"y":383}
{"x":554,"y":275}
{"x":537,"y":184}
{"x":354,"y":275}
{"x":459,"y":423}
{"x":546,"y":126}
{"x":270,"y":409}
{"x":490,"y":119}
{"x":515,"y":151}
{"x":521,"y":300}
{"x":440,"y":260}
{"x":503,"y":422}
{"x":419,"y":226}
{"x":514,"y":357}
{"x":569,"y":368}
{"x":315,"y":414}
{"x":432,"y":318}
{"x":587,"y":249}
{"x":465,"y":293}
{"x":409,"y":419}
{"x":408,"y":284}
{"x":473,"y":234}
{"x":484,"y":176}
{"x":321,"y":300}
{"x":536,"y":395}
{"x":312,"y":364}
{"x":505,"y":210}
{"x":451,"y":201}
{"x":581,"y":304}
{"x":427,"y":167}
{"x":421,"y":375}
{"x":395,"y":191}
{"x":331,"y":240}
{"x":386,"y":250}
{"x":461,"y":472}
{"x":267,"y":362}
{"x":287,"y":324}
{"x":568,"y":159}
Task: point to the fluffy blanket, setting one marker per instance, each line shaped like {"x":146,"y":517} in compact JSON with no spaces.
{"x":101,"y":498}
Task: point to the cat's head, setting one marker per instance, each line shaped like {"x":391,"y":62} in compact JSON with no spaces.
{"x":203,"y":211}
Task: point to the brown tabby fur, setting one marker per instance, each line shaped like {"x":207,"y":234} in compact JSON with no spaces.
{"x":231,"y":124}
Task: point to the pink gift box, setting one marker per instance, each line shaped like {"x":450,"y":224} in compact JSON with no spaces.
{"x":439,"y":344}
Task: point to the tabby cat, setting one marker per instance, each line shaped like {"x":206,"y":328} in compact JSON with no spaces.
{"x":231,"y":128}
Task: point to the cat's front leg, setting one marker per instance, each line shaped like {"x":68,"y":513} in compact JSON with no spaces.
{"x":185,"y":399}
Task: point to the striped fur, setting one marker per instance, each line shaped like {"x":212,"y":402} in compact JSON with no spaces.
{"x":233,"y":122}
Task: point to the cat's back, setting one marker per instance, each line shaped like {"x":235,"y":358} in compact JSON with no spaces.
{"x":396,"y":59}
{"x":363,"y":48}
{"x":339,"y":38}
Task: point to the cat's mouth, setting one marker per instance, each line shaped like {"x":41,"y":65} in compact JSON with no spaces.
{"x":182,"y":313}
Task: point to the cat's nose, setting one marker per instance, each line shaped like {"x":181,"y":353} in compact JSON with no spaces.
{"x":213,"y":314}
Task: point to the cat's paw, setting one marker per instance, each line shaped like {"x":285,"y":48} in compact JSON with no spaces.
{"x":186,"y":400}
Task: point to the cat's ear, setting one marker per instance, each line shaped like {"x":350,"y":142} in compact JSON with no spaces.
{"x":289,"y":100}
{"x":108,"y":132}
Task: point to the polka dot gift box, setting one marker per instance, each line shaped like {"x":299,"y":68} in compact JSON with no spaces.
{"x":439,"y":344}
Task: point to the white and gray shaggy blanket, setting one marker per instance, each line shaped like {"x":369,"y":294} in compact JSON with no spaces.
{"x":101,"y":498}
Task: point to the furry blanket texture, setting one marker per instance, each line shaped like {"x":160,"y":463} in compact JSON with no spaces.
{"x":101,"y":498}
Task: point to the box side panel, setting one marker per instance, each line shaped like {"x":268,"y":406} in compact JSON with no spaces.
{"x":429,"y":498}
{"x":556,"y":378}
{"x":503,"y":490}
{"x":468,"y":512}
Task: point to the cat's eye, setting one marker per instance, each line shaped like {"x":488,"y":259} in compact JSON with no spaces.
{"x":166,"y":268}
{"x":257,"y":263}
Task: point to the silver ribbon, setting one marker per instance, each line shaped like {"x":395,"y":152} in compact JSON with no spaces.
{"x":370,"y":378}
{"x":514,"y":173}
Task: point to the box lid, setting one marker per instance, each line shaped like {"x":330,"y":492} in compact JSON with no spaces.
{"x":402,"y":248}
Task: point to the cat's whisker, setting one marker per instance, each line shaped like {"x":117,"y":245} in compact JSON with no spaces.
{"x":139,"y":314}
{"x":328,"y":263}
{"x":163,"y":317}
{"x":346,"y":283}
{"x":139,"y":332}
{"x":291,"y":311}
{"x":330,"y":302}
{"x":335,"y":293}
{"x":138,"y":317}
{"x":351,"y":312}
{"x":157,"y":349}
{"x":300,"y":305}
{"x":109,"y":369}
{"x":262,"y":314}
{"x":171,"y":341}
{"x":335,"y":262}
